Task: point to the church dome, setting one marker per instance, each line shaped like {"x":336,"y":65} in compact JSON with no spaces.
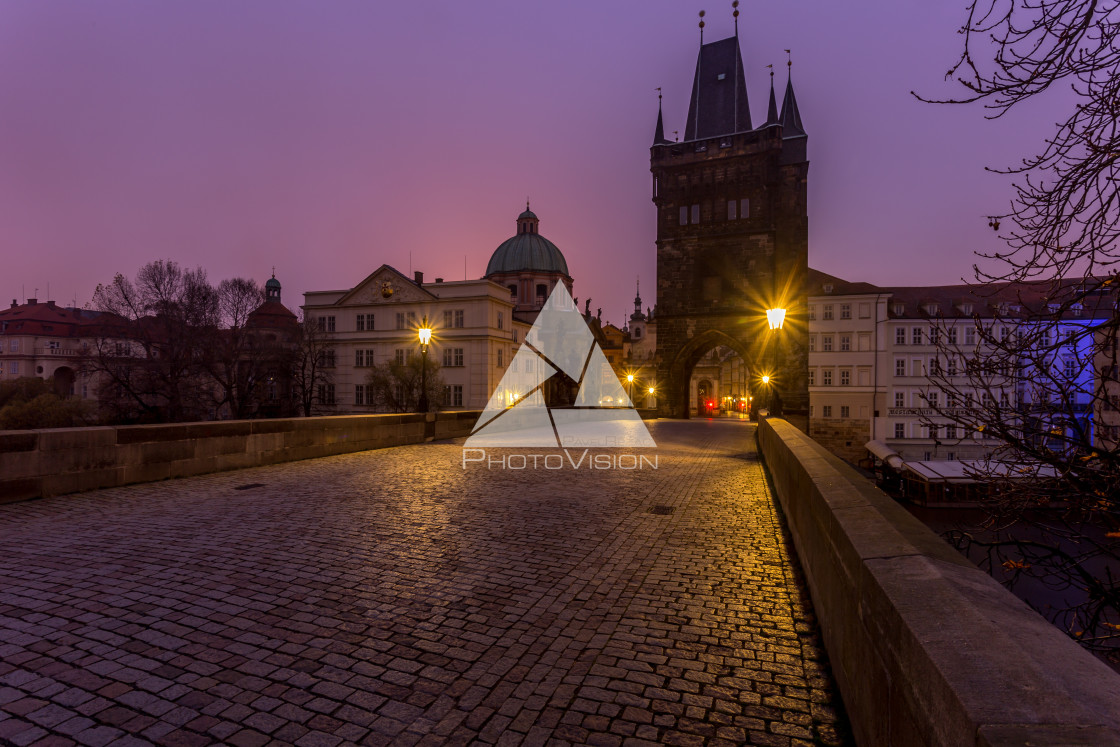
{"x":527,"y":251}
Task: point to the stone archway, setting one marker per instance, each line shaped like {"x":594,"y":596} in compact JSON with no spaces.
{"x":63,"y":381}
{"x":678,"y":400}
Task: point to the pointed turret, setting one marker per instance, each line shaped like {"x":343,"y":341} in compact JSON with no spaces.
{"x":791,"y":117}
{"x":659,"y":132}
{"x":719,"y":92}
{"x":772,"y":109}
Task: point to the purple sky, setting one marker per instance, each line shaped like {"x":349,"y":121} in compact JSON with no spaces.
{"x":328,"y":138}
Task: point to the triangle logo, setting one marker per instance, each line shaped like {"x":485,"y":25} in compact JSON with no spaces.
{"x":517,"y":415}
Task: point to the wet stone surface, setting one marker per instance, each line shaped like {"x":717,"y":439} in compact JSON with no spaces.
{"x":392,"y":597}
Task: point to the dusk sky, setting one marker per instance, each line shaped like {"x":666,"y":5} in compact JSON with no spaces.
{"x":329,"y":138}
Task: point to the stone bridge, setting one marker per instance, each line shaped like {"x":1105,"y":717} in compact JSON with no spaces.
{"x":394,"y":596}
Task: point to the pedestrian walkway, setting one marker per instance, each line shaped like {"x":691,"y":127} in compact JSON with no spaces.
{"x":394,"y":597}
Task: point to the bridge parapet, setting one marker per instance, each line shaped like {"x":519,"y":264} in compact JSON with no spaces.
{"x":55,"y":461}
{"x":926,"y":648}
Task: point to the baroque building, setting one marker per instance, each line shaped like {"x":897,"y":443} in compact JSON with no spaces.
{"x":477,"y":324}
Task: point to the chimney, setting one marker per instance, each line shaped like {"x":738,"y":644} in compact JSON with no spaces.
{"x":15,"y":303}
{"x":439,"y":280}
{"x":419,"y":278}
{"x":32,"y":301}
{"x":51,"y":304}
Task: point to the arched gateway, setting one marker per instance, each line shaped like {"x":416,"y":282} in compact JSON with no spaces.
{"x":732,"y":235}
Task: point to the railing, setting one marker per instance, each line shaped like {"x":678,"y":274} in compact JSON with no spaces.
{"x":58,"y":352}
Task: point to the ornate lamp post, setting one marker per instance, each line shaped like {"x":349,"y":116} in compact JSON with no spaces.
{"x":630,"y":387}
{"x":425,"y":333}
{"x":775,"y":317}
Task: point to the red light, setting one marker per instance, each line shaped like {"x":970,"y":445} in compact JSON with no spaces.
{"x":711,"y":404}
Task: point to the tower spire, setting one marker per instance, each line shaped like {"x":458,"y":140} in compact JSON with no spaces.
{"x":735,"y":15}
{"x":791,"y":117}
{"x":772,"y":109}
{"x":659,"y":131}
{"x":701,"y":28}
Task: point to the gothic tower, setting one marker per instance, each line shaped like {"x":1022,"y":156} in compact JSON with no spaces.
{"x":732,"y":236}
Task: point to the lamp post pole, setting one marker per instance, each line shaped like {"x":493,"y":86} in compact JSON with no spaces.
{"x":630,"y":386}
{"x":425,"y":333}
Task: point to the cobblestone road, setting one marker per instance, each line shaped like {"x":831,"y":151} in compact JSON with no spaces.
{"x":390,"y":597}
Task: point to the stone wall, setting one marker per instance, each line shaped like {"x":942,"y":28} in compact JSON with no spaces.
{"x":926,"y":648}
{"x":49,"y":462}
{"x":846,"y":438}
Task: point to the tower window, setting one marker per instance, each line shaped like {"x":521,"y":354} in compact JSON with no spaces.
{"x":695,"y":213}
{"x":732,"y":210}
{"x":513,"y":291}
{"x":684,"y":215}
{"x":744,"y":208}
{"x":542,"y":291}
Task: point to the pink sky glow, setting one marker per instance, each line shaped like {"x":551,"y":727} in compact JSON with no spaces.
{"x":329,"y":138}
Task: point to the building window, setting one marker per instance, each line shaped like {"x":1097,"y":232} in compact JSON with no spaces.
{"x":826,"y":343}
{"x":951,"y":367}
{"x":326,"y":394}
{"x":826,"y":411}
{"x":1070,"y":368}
{"x":812,"y":377}
{"x":744,"y":209}
{"x":900,"y":399}
{"x":684,"y":215}
{"x":933,"y":399}
{"x":845,"y":343}
{"x":401,"y":320}
{"x":934,"y":366}
{"x":327,"y":358}
{"x":363,"y":358}
{"x":845,"y":378}
{"x":844,"y":411}
{"x":501,"y":358}
{"x":812,"y":343}
{"x":952,"y":335}
{"x":15,"y":368}
{"x":812,"y":313}
{"x":900,"y":367}
{"x":361,"y":325}
{"x":359,"y":394}
{"x":501,"y":320}
{"x":950,"y":431}
{"x":326,"y":324}
{"x":826,"y":377}
{"x":899,"y":309}
{"x":900,"y":430}
{"x":827,"y":311}
{"x":542,"y":292}
{"x":934,"y":335}
{"x":457,"y":395}
{"x":400,"y":355}
{"x":732,"y":210}
{"x":695,"y":213}
{"x":970,"y":336}
{"x":845,"y":311}
{"x":452,"y":357}
{"x":916,"y":336}
{"x":900,"y":336}
{"x":637,"y":333}
{"x":513,"y":291}
{"x":453,"y":319}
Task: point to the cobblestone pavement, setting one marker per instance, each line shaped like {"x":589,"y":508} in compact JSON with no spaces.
{"x":392,"y":597}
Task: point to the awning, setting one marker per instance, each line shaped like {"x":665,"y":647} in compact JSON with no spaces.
{"x":884,"y":452}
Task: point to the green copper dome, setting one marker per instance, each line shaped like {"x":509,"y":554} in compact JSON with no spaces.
{"x":272,"y":282}
{"x":528,"y":250}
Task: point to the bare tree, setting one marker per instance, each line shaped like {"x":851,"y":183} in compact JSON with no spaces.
{"x":311,"y":366}
{"x":151,"y":344}
{"x":1039,"y":375}
{"x":242,"y":358}
{"x":395,"y":387}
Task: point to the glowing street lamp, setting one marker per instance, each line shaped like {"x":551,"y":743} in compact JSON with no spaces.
{"x":776,"y":318}
{"x":765,"y":378}
{"x":425,"y":334}
{"x":630,"y":385}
